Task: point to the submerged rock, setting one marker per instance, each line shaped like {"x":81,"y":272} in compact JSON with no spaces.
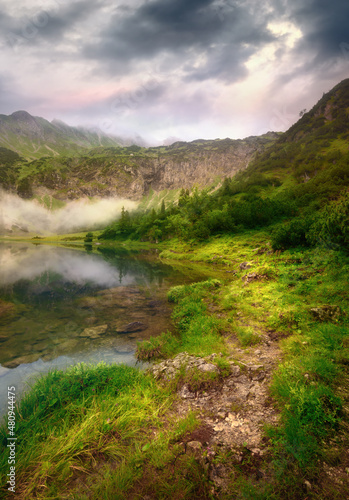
{"x":135,"y":326}
{"x":22,"y":360}
{"x":94,"y":332}
{"x":68,"y":344}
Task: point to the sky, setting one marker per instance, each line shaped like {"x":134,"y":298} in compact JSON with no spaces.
{"x":167,"y":70}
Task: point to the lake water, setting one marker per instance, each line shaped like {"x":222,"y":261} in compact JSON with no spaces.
{"x":61,"y":306}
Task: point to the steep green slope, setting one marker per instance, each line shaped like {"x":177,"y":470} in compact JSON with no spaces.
{"x":319,"y":139}
{"x":9,"y":167}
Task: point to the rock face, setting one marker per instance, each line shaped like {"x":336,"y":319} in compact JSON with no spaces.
{"x":132,"y":172}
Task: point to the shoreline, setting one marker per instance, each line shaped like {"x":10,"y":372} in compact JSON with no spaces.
{"x":271,"y":343}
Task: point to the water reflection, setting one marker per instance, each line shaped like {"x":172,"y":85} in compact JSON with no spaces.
{"x":23,"y":262}
{"x":62,"y":304}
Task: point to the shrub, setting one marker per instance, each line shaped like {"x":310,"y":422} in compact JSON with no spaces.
{"x":291,"y":233}
{"x":332,"y":224}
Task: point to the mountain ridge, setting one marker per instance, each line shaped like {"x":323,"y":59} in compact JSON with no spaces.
{"x":33,"y":136}
{"x":313,"y":144}
{"x":132,"y":171}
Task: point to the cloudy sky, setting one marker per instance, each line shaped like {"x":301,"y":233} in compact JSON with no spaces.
{"x":172,"y":69}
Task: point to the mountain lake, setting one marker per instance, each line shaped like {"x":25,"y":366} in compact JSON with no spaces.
{"x":62,"y":306}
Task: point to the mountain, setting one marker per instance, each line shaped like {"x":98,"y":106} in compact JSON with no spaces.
{"x":132,"y":171}
{"x":303,"y":158}
{"x":319,"y":139}
{"x":34,"y":137}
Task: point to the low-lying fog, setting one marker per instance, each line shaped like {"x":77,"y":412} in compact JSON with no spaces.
{"x":78,"y":215}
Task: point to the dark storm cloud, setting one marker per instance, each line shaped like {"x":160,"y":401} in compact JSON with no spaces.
{"x":64,"y":18}
{"x":324,"y":26}
{"x":223,"y":35}
{"x":322,"y":51}
{"x":51,"y":22}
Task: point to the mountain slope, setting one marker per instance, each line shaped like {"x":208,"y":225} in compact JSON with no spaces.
{"x":316,"y":141}
{"x":133,"y":171}
{"x":298,"y":188}
{"x":34,"y":137}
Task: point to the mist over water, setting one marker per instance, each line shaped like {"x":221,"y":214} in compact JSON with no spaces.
{"x":27,"y":262}
{"x":77,"y":215}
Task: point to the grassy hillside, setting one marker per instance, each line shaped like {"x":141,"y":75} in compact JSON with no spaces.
{"x":319,"y":139}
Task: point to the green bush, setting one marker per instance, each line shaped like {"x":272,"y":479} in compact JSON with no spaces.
{"x":290,"y":234}
{"x":331,"y":227}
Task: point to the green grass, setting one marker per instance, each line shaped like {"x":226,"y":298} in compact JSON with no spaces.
{"x":311,"y":382}
{"x":247,"y":336}
{"x":199,"y":333}
{"x":103,"y":424}
{"x":108,"y":432}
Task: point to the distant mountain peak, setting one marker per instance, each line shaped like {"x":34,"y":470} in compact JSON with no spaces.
{"x":34,"y":137}
{"x":22,"y":115}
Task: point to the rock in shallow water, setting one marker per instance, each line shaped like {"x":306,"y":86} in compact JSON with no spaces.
{"x":135,"y":326}
{"x":94,"y":332}
{"x":22,"y":360}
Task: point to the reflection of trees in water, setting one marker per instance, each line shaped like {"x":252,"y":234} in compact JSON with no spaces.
{"x":45,"y":290}
{"x":50,"y":287}
{"x":137,"y":264}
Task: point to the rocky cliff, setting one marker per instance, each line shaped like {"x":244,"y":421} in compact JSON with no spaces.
{"x":132,"y":172}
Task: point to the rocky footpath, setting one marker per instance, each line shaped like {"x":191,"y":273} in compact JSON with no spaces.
{"x":233,"y":412}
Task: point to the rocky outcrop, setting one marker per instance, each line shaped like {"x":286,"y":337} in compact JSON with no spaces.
{"x":182,"y":165}
{"x":132,"y":172}
{"x":170,"y":368}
